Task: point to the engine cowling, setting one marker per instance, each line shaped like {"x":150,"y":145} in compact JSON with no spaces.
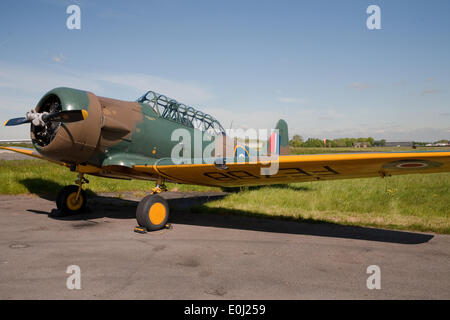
{"x":68,"y":142}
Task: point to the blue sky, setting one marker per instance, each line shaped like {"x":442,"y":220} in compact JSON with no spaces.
{"x":314,"y":63}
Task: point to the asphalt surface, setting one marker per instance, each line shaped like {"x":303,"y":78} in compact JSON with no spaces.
{"x":207,"y":256}
{"x":10,"y":155}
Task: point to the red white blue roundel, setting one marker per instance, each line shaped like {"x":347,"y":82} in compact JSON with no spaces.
{"x":412,"y":164}
{"x":240,"y":152}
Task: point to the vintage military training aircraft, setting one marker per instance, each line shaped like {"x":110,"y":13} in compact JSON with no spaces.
{"x":134,"y":140}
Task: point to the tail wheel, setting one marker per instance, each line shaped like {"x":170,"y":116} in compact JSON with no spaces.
{"x":152,"y":212}
{"x":67,"y":201}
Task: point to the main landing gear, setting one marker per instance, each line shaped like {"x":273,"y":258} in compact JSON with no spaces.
{"x":72,"y":199}
{"x":152,"y":212}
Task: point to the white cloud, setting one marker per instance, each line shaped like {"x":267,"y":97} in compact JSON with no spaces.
{"x":360,"y":85}
{"x":185,"y":92}
{"x":430,"y":91}
{"x":292,"y":100}
{"x":329,"y":115}
{"x":245,"y":119}
{"x":34,"y":80}
{"x":59,"y":58}
{"x":390,"y":133}
{"x":21,"y":87}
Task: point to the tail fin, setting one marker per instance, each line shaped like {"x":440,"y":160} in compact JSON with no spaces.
{"x":279,"y":143}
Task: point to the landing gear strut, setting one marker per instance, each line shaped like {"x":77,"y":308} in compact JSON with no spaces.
{"x":72,"y":199}
{"x":160,"y":187}
{"x":152,"y":212}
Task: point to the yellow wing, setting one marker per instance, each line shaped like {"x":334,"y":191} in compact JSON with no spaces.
{"x":31,"y":153}
{"x":25,"y":151}
{"x":287,"y":168}
{"x":35,"y":154}
{"x":304,"y":168}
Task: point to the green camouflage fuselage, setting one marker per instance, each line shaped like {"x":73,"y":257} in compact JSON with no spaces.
{"x":115,"y":132}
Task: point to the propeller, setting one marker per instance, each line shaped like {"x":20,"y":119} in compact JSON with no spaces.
{"x":40,"y":119}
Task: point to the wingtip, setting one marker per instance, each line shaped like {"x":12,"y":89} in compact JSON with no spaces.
{"x":4,"y":123}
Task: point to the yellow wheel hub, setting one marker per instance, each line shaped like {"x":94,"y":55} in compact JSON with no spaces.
{"x":72,"y":203}
{"x":157,"y":213}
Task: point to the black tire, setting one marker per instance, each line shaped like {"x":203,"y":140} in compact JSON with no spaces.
{"x":152,"y":212}
{"x":65,"y":203}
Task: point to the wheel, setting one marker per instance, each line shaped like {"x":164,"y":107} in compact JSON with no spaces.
{"x":66,"y":203}
{"x":152,"y":212}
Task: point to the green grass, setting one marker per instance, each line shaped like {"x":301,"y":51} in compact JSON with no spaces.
{"x":42,"y":177}
{"x":412,"y":202}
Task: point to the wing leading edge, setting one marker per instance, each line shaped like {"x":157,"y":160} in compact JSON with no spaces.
{"x":25,"y":151}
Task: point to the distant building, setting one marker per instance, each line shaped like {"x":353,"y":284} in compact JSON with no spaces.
{"x":399,"y":144}
{"x":360,"y":144}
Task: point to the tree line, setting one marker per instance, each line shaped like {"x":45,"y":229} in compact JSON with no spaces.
{"x":298,"y":141}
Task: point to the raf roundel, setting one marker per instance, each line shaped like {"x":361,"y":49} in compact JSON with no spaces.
{"x":408,"y":165}
{"x":412,"y":164}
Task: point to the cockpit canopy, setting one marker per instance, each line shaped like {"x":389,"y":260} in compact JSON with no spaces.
{"x":171,"y":109}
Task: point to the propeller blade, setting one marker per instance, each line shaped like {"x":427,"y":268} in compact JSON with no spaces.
{"x":16,"y":121}
{"x":63,"y":116}
{"x":66,"y":116}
